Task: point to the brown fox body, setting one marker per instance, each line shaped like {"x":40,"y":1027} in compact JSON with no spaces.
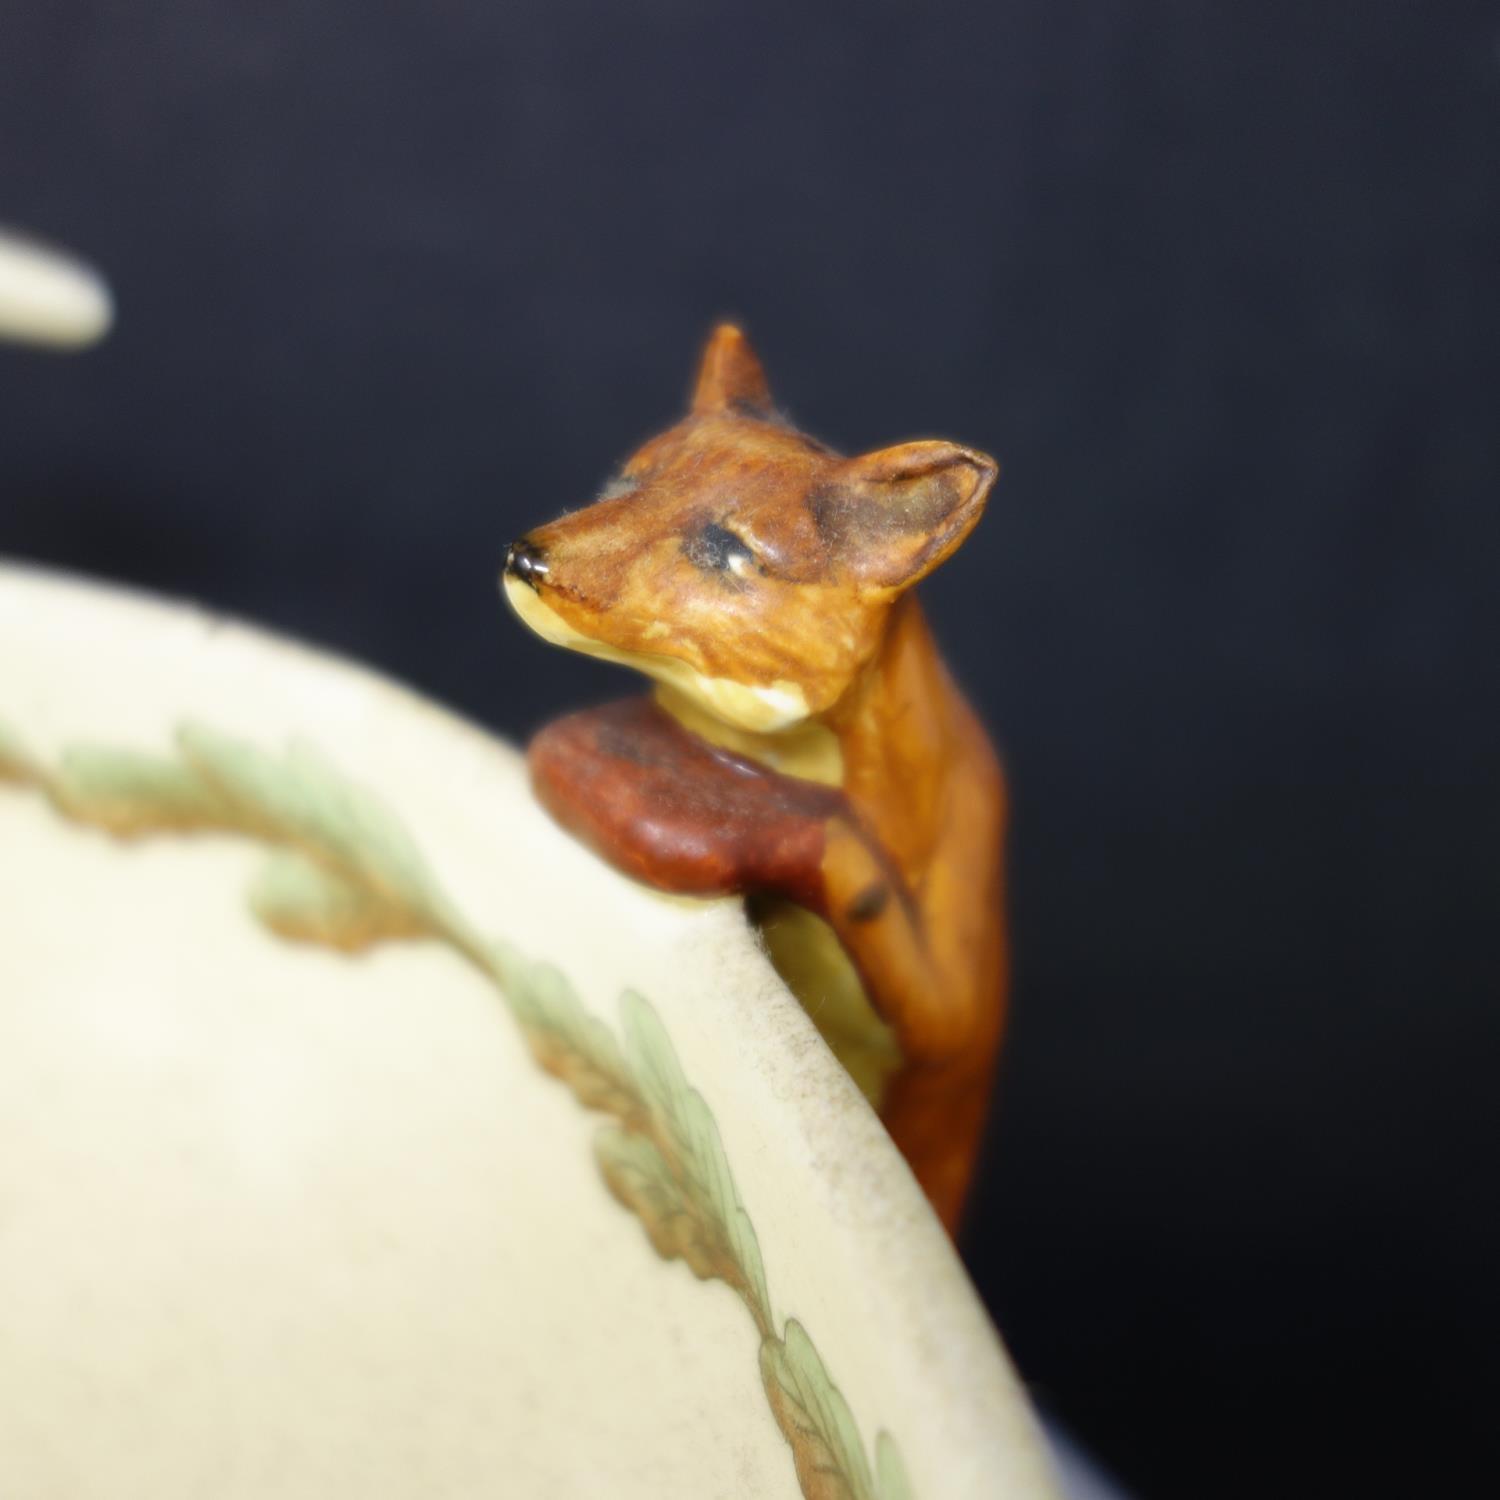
{"x":807,"y":748}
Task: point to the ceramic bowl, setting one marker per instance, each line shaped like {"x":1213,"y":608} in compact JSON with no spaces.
{"x":363,"y":1135}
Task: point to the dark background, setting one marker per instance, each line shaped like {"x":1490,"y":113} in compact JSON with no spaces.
{"x":1221,"y":287}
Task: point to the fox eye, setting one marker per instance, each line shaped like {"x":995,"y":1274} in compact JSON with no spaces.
{"x":716,"y":549}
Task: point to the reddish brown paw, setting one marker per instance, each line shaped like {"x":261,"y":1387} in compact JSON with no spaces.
{"x":677,"y":813}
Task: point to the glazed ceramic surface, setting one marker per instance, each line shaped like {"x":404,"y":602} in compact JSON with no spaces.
{"x":364,"y":1135}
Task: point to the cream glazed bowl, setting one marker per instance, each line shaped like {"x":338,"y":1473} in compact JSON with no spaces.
{"x":363,"y":1135}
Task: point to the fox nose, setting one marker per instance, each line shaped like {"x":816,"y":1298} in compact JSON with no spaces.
{"x":526,"y":561}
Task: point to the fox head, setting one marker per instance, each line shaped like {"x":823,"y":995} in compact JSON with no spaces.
{"x":741,"y":562}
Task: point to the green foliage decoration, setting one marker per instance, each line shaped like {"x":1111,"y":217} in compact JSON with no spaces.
{"x":343,"y":872}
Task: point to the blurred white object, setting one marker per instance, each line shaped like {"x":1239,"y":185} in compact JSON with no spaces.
{"x":48,"y":297}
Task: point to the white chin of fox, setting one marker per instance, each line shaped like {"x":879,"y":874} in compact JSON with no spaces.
{"x":762,"y":708}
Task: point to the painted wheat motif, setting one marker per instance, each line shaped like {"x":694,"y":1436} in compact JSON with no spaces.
{"x":344,"y":873}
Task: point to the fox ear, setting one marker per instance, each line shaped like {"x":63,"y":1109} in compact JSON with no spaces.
{"x":892,"y":516}
{"x":730,"y":376}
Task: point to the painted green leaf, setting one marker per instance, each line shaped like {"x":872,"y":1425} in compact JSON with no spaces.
{"x":300,"y":798}
{"x":715,"y":1182}
{"x":508,"y":966}
{"x":681,"y":1112}
{"x":566,"y":1039}
{"x":641,"y":1180}
{"x":132,"y":794}
{"x":653,"y":1061}
{"x":301,"y":900}
{"x":815,"y":1419}
{"x":891,"y":1481}
{"x":516,"y":976}
{"x":16,"y":763}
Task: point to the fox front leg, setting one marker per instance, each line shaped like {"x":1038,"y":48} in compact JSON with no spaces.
{"x":682,"y":815}
{"x":679,"y":814}
{"x":671,"y":810}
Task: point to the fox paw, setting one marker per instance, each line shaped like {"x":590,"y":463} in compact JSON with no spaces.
{"x":675,"y":812}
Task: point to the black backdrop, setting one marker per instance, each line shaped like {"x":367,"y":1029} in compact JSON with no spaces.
{"x":1219,"y":284}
